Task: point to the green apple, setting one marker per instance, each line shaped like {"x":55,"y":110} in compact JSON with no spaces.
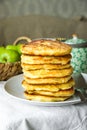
{"x":19,"y":48}
{"x":2,"y":48}
{"x":15,"y":47}
{"x":11,"y":47}
{"x":7,"y":55}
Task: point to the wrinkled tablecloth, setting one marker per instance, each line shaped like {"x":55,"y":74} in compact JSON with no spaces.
{"x":15,"y":115}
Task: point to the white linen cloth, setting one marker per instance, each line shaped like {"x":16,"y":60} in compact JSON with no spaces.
{"x":15,"y":115}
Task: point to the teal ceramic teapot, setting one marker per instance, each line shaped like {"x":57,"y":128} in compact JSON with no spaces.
{"x":79,"y":54}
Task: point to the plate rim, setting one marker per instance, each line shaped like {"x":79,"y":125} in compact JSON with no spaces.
{"x":38,"y":103}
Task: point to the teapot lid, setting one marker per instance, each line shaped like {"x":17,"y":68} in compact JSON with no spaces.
{"x":76,"y":42}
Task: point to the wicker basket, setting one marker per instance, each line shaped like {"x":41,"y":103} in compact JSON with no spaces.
{"x":7,"y":70}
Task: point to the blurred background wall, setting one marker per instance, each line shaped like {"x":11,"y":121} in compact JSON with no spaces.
{"x":61,"y":8}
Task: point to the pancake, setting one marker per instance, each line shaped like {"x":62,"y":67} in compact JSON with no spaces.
{"x":45,"y":59}
{"x":48,"y":87}
{"x":43,"y":98}
{"x":47,"y":80}
{"x":44,"y":66}
{"x":46,"y":48}
{"x":60,"y":93}
{"x":48,"y":73}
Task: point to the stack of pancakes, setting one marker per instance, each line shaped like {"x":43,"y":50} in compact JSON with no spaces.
{"x":47,"y":71}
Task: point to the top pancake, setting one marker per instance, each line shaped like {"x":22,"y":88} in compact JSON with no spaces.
{"x":46,"y":48}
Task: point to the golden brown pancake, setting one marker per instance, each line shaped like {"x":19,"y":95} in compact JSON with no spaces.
{"x":60,"y":93}
{"x":48,"y":87}
{"x":47,"y":80}
{"x":46,"y":48}
{"x":45,"y":59}
{"x":44,"y":66}
{"x":43,"y":98}
{"x":48,"y":73}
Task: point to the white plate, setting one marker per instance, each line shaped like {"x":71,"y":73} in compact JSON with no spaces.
{"x":14,"y":89}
